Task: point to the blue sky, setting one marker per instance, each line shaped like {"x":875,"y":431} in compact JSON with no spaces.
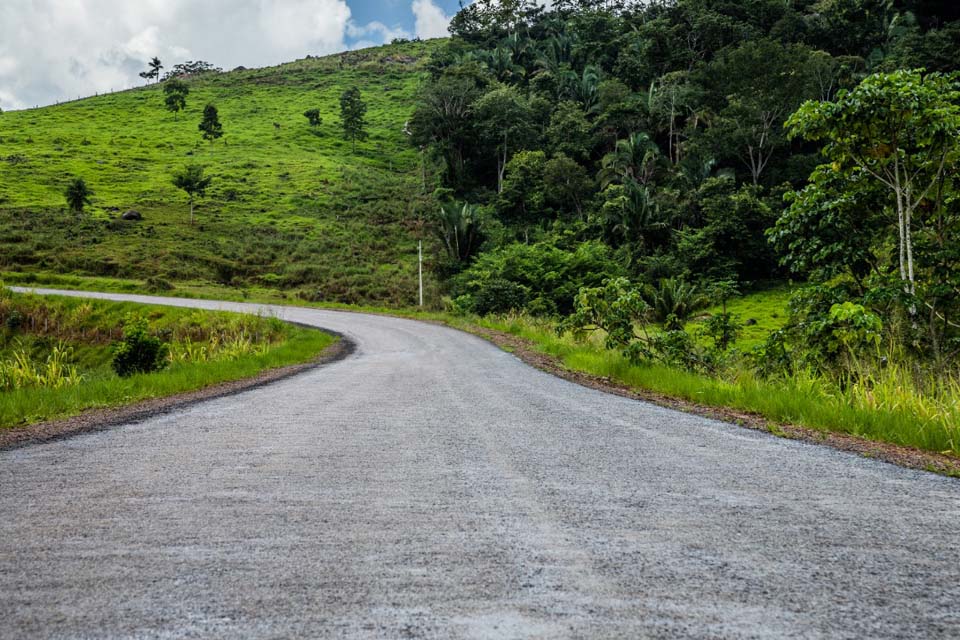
{"x":394,"y":12}
{"x":53,"y":50}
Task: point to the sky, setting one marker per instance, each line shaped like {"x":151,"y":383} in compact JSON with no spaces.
{"x":54,"y":50}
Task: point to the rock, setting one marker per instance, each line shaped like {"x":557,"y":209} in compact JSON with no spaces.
{"x":133,"y":214}
{"x":752,"y":322}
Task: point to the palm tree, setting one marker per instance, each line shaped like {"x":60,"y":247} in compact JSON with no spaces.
{"x":584,"y":88}
{"x":155,"y":67}
{"x":78,"y":195}
{"x":458,"y":228}
{"x":501,"y":62}
{"x":631,"y":215}
{"x":632,"y":159}
{"x":674,"y":301}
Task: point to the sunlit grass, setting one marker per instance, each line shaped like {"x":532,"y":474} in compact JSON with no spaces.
{"x":44,"y":382}
{"x":290,"y":207}
{"x":887,"y":407}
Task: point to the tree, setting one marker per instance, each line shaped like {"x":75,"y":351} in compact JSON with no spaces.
{"x":176,"y":92}
{"x":192,"y":181}
{"x":764,"y":82}
{"x":523,"y":199}
{"x":505,"y":118}
{"x":566,"y":183}
{"x":902,"y":130}
{"x":313,"y":117}
{"x":153,"y":73}
{"x":190,"y":69}
{"x":834,"y":226}
{"x":570,"y":132}
{"x":353,"y":111}
{"x":78,"y":195}
{"x":443,"y":120}
{"x":210,"y":125}
{"x":634,"y":159}
{"x":458,"y":227}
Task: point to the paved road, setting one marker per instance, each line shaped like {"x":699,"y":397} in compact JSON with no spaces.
{"x":433,"y":486}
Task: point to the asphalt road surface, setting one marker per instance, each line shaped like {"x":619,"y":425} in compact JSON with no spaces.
{"x":433,"y":486}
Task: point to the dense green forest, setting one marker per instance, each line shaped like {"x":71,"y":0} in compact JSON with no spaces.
{"x":625,"y":164}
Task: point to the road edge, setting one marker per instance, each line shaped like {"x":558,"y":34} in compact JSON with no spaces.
{"x":95,"y":420}
{"x":901,"y":456}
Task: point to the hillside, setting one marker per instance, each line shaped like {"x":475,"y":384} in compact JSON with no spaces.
{"x":290,"y":207}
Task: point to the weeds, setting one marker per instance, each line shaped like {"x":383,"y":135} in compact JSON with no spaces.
{"x":55,"y":372}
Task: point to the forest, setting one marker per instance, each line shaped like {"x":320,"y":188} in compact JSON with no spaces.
{"x":620,"y":166}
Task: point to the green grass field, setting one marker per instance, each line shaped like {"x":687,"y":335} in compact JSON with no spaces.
{"x":291,"y":207}
{"x":86,"y":329}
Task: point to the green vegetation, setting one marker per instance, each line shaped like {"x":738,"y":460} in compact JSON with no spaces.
{"x":289,"y":209}
{"x":886,"y":406}
{"x":61,"y":356}
{"x":702,"y":148}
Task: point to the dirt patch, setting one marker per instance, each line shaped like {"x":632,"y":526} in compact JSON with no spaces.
{"x":100,"y":419}
{"x":895,"y":454}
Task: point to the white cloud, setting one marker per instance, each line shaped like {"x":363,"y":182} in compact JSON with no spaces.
{"x":61,"y":49}
{"x":431,"y":21}
{"x":384,"y":33}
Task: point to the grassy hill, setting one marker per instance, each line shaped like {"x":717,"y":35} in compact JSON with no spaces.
{"x":290,"y":207}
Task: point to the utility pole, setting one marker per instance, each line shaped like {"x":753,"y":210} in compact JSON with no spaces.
{"x":420,"y":264}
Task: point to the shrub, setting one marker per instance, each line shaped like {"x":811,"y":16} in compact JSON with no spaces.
{"x":138,"y":352}
{"x":550,"y":274}
{"x":500,"y":296}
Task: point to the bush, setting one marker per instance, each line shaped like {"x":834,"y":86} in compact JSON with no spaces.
{"x":549,"y":274}
{"x":500,"y":296}
{"x":138,"y":352}
{"x":14,"y":320}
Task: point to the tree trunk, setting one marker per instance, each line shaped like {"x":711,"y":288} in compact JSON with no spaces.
{"x":502,"y":165}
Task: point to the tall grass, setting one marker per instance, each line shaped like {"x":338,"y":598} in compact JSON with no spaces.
{"x":56,"y":372}
{"x":888,"y":405}
{"x":29,"y":405}
{"x":42,"y":380}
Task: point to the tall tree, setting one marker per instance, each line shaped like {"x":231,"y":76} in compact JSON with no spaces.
{"x":210,"y":125}
{"x":192,"y":181}
{"x":902,"y":130}
{"x":153,"y":72}
{"x":443,"y":120}
{"x":78,"y":195}
{"x":353,"y":111}
{"x":176,"y":92}
{"x":764,"y":82}
{"x":505,"y":118}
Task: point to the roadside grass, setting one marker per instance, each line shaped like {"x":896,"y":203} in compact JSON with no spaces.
{"x":96,"y":321}
{"x":885,"y":407}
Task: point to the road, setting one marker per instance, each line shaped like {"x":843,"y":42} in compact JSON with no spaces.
{"x":433,"y":486}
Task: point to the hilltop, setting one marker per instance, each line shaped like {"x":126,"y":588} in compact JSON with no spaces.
{"x":291,"y":207}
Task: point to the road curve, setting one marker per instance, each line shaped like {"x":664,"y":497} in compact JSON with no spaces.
{"x":433,"y":486}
